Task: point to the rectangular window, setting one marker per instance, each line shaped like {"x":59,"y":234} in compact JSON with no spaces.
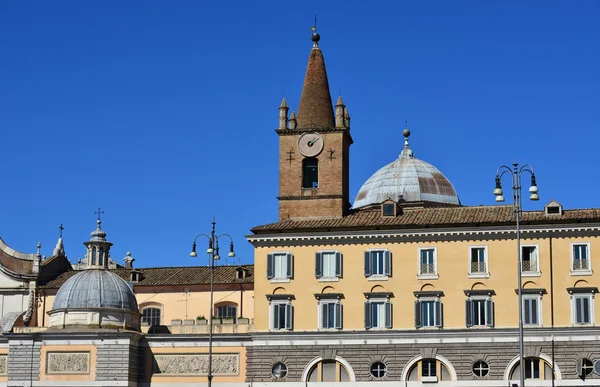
{"x":582,"y":309}
{"x":389,"y":209}
{"x":531,"y":310}
{"x":479,"y":312}
{"x":330,"y":315}
{"x":281,"y":316}
{"x":428,"y":368}
{"x":328,"y":265}
{"x":427,"y":261}
{"x":581,"y":259}
{"x":280,"y":266}
{"x":378,"y":314}
{"x":226,"y":311}
{"x":529,"y":259}
{"x":428,"y":313}
{"x":378,"y":263}
{"x":478,"y":261}
{"x":532,"y":368}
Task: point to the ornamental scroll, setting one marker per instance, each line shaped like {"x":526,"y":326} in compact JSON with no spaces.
{"x":3,"y":365}
{"x":193,"y":364}
{"x":68,"y":363}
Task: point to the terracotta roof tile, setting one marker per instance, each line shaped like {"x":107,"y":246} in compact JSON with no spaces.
{"x":315,"y":110}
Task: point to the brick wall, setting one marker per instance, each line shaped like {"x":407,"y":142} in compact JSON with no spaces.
{"x":23,"y":362}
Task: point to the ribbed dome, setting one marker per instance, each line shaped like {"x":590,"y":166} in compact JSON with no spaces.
{"x":95,"y":288}
{"x":407,"y":179}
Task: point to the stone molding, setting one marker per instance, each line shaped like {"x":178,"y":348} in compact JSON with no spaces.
{"x":195,"y":364}
{"x":67,"y":363}
{"x":3,"y":365}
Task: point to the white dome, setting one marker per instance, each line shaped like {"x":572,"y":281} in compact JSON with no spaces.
{"x":407,"y":179}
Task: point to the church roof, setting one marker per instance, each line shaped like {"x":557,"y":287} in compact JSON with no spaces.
{"x":14,"y":262}
{"x":427,"y":218}
{"x":315,"y":110}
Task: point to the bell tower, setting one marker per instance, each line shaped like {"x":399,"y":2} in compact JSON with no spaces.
{"x":314,"y":149}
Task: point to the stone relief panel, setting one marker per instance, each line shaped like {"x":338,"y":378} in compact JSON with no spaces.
{"x":193,"y":364}
{"x":68,"y":363}
{"x":3,"y":365}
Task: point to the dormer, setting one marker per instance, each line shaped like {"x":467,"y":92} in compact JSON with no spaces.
{"x":390,"y":209}
{"x":136,"y":276}
{"x":553,"y":208}
{"x":241,"y":273}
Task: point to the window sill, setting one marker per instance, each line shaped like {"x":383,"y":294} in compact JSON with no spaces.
{"x":378,"y":277}
{"x":479,"y":275}
{"x":378,"y":329}
{"x":280,"y":330}
{"x":481,"y":327}
{"x":429,"y":379}
{"x":531,"y":274}
{"x":428,"y":328}
{"x":581,"y":272}
{"x":329,"y":279}
{"x":427,"y":276}
{"x":583,"y":324}
{"x":279,"y":280}
{"x":329,"y":329}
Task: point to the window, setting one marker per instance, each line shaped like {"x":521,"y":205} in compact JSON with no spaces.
{"x":100,"y":256}
{"x":330,"y":315}
{"x":378,"y":314}
{"x":581,"y":258}
{"x":378,"y":263}
{"x":478,"y":262}
{"x":531,"y":310}
{"x":389,"y":209}
{"x":428,"y":371}
{"x":582,"y":309}
{"x":280,"y":266}
{"x":585,"y":367}
{"x":427,"y":263}
{"x":480,"y":312}
{"x":378,"y":370}
{"x":328,"y":265}
{"x":281,"y":315}
{"x":151,"y":316}
{"x":226,"y":311}
{"x":428,"y":313}
{"x":328,"y":371}
{"x":279,"y":370}
{"x":535,"y":368}
{"x":93,"y":255}
{"x":481,"y":368}
{"x":310,"y":173}
{"x":529,"y":260}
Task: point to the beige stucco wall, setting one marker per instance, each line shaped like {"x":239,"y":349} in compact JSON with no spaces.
{"x":453,"y":264}
{"x":67,"y":348}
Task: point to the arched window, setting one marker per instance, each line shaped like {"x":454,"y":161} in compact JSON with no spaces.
{"x":151,"y":316}
{"x":310,"y":173}
{"x":226,"y":310}
{"x":428,"y":370}
{"x":328,"y":371}
{"x":535,"y":368}
{"x":93,"y":256}
{"x":100,"y":256}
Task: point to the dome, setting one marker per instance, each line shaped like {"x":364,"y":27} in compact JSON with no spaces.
{"x":95,"y":289}
{"x":405,"y":180}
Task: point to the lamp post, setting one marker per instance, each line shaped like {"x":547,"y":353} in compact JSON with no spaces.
{"x":213,"y":255}
{"x":516,"y":174}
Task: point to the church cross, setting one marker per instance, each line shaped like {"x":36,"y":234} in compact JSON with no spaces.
{"x":99,"y":212}
{"x":61,"y":229}
{"x":331,"y":152}
{"x":291,"y":156}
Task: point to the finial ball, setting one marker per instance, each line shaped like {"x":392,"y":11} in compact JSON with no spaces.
{"x":315,"y":37}
{"x":406,"y":133}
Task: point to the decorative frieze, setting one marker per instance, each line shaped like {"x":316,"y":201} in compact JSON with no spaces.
{"x":68,"y":363}
{"x":194,"y":364}
{"x":3,"y":365}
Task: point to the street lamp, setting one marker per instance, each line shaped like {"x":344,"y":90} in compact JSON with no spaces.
{"x":516,"y":173}
{"x":213,"y":255}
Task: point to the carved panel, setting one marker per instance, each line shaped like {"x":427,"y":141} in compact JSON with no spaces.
{"x":3,"y":364}
{"x":194,"y":364}
{"x":68,"y":363}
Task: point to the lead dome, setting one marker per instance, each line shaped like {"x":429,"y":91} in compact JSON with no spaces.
{"x":407,"y":180}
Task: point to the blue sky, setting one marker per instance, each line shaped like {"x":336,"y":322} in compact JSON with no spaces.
{"x":163,"y":113}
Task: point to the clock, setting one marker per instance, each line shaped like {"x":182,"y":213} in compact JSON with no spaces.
{"x":310,"y":144}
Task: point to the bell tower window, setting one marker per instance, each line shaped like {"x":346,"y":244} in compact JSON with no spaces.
{"x":100,"y":256}
{"x":93,"y":255}
{"x":310,"y":173}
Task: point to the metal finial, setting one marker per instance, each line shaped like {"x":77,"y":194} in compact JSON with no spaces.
{"x":99,"y":212}
{"x":315,"y":36}
{"x":39,"y":247}
{"x":61,"y":230}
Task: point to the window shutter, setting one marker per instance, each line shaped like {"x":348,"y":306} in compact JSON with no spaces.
{"x":289,"y":316}
{"x":338,"y":315}
{"x":276,"y":316}
{"x":338,"y":264}
{"x":367,"y":315}
{"x":438,"y":314}
{"x":290,"y":266}
{"x":270,"y":266}
{"x":469,"y":313}
{"x":324,"y":316}
{"x":489,"y":312}
{"x":367,"y":263}
{"x":387,"y":258}
{"x":418,"y":314}
{"x":388,"y":314}
{"x":318,"y":265}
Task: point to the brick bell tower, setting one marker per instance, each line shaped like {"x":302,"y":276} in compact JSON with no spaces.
{"x":314,"y":149}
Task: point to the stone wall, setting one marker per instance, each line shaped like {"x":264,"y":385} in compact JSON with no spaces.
{"x":23,"y":362}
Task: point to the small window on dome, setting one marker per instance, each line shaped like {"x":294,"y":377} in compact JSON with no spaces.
{"x":389,"y":209}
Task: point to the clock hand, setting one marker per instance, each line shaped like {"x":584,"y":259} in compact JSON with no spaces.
{"x":311,"y":142}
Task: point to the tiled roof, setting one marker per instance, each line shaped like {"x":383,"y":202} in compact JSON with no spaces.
{"x":429,"y":217}
{"x":157,"y":276}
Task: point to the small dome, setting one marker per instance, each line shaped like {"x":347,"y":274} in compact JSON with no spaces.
{"x":407,"y":179}
{"x":95,"y":289}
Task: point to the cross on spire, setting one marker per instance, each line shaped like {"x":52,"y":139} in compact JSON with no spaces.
{"x":99,"y":212}
{"x":61,"y":230}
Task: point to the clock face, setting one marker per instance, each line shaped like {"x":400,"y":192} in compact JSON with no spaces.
{"x":310,"y":144}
